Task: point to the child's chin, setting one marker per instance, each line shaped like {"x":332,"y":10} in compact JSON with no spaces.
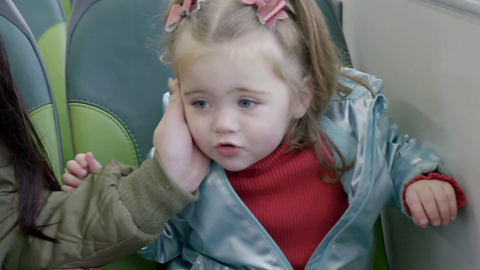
{"x":234,"y":167}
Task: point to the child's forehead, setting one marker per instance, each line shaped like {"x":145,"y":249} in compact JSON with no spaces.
{"x":221,"y":67}
{"x":223,"y":70}
{"x":248,"y":47}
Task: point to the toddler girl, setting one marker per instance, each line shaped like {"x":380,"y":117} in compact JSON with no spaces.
{"x":304,"y":158}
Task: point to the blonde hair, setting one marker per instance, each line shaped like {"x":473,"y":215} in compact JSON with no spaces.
{"x":305,"y":42}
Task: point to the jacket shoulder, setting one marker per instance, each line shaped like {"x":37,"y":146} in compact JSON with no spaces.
{"x":359,"y":91}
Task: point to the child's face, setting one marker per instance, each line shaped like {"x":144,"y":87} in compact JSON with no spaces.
{"x":238,"y":111}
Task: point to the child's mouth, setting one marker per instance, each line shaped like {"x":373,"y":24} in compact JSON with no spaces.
{"x":227,"y":149}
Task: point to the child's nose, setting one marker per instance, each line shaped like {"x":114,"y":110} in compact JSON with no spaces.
{"x":225,"y":122}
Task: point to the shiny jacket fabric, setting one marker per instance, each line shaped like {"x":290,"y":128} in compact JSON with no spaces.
{"x":219,"y":232}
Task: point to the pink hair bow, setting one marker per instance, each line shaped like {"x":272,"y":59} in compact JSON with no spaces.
{"x":269,"y":11}
{"x":177,"y":12}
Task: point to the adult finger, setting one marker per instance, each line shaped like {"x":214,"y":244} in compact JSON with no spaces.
{"x":175,"y":110}
{"x":172,"y":85}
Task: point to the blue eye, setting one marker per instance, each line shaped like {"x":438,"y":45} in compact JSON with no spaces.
{"x":201,"y":104}
{"x":247,"y":104}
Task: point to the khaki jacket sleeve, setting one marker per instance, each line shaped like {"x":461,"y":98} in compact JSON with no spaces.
{"x":116,"y":211}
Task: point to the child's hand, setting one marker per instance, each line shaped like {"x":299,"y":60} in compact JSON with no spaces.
{"x":432,"y":200}
{"x":182,"y":160}
{"x":81,"y":167}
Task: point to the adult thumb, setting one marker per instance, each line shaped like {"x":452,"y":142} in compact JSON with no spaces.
{"x":92,"y":163}
{"x":175,"y":105}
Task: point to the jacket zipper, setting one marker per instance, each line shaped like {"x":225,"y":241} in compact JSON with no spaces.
{"x":328,"y":247}
{"x":284,"y":263}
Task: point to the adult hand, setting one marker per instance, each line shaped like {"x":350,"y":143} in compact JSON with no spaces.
{"x":183,"y":162}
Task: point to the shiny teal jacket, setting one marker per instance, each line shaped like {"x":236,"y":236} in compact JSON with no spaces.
{"x":219,"y":232}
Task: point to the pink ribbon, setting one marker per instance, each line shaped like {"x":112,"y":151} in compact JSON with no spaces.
{"x":269,"y":11}
{"x":179,"y":11}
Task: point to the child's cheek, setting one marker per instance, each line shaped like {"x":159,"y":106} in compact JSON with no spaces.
{"x":199,"y":133}
{"x":191,"y":118}
{"x":268,"y":137}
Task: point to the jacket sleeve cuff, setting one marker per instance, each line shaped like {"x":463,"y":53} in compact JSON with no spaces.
{"x":460,"y":195}
{"x":151,"y":197}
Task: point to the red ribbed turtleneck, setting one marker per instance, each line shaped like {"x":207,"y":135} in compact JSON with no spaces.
{"x":286,"y":195}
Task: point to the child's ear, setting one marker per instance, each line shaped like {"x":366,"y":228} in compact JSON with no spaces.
{"x":304,"y":98}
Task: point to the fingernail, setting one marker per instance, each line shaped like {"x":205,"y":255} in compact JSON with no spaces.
{"x":424,"y":222}
{"x":171,"y":84}
{"x":453,"y":217}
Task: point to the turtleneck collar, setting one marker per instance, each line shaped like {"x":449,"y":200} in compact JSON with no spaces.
{"x":276,"y":159}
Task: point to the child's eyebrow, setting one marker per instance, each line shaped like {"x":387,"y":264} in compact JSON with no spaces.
{"x":193,"y":92}
{"x":255,"y":91}
{"x":241,"y":89}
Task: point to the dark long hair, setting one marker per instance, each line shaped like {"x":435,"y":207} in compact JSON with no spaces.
{"x":32,"y":169}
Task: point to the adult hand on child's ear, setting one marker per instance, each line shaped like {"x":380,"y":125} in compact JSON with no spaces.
{"x":78,"y":169}
{"x":183,"y":162}
{"x":432,"y":200}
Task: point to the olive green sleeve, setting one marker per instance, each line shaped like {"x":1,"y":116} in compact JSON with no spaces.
{"x":116,"y":211}
{"x":152,"y":204}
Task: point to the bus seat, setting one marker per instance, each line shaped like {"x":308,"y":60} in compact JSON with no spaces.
{"x":47,"y":22}
{"x":332,"y":11}
{"x":113,"y":76}
{"x":67,"y":9}
{"x":32,"y":81}
{"x":115,"y":83}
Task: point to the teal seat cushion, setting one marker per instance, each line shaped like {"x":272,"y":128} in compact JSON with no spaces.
{"x":333,"y":21}
{"x":31,"y":79}
{"x":40,"y":15}
{"x":113,"y":66}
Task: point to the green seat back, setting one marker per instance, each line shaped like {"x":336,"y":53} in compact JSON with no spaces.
{"x":31,"y":79}
{"x":67,"y":9}
{"x":46,"y":21}
{"x":115,"y":83}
